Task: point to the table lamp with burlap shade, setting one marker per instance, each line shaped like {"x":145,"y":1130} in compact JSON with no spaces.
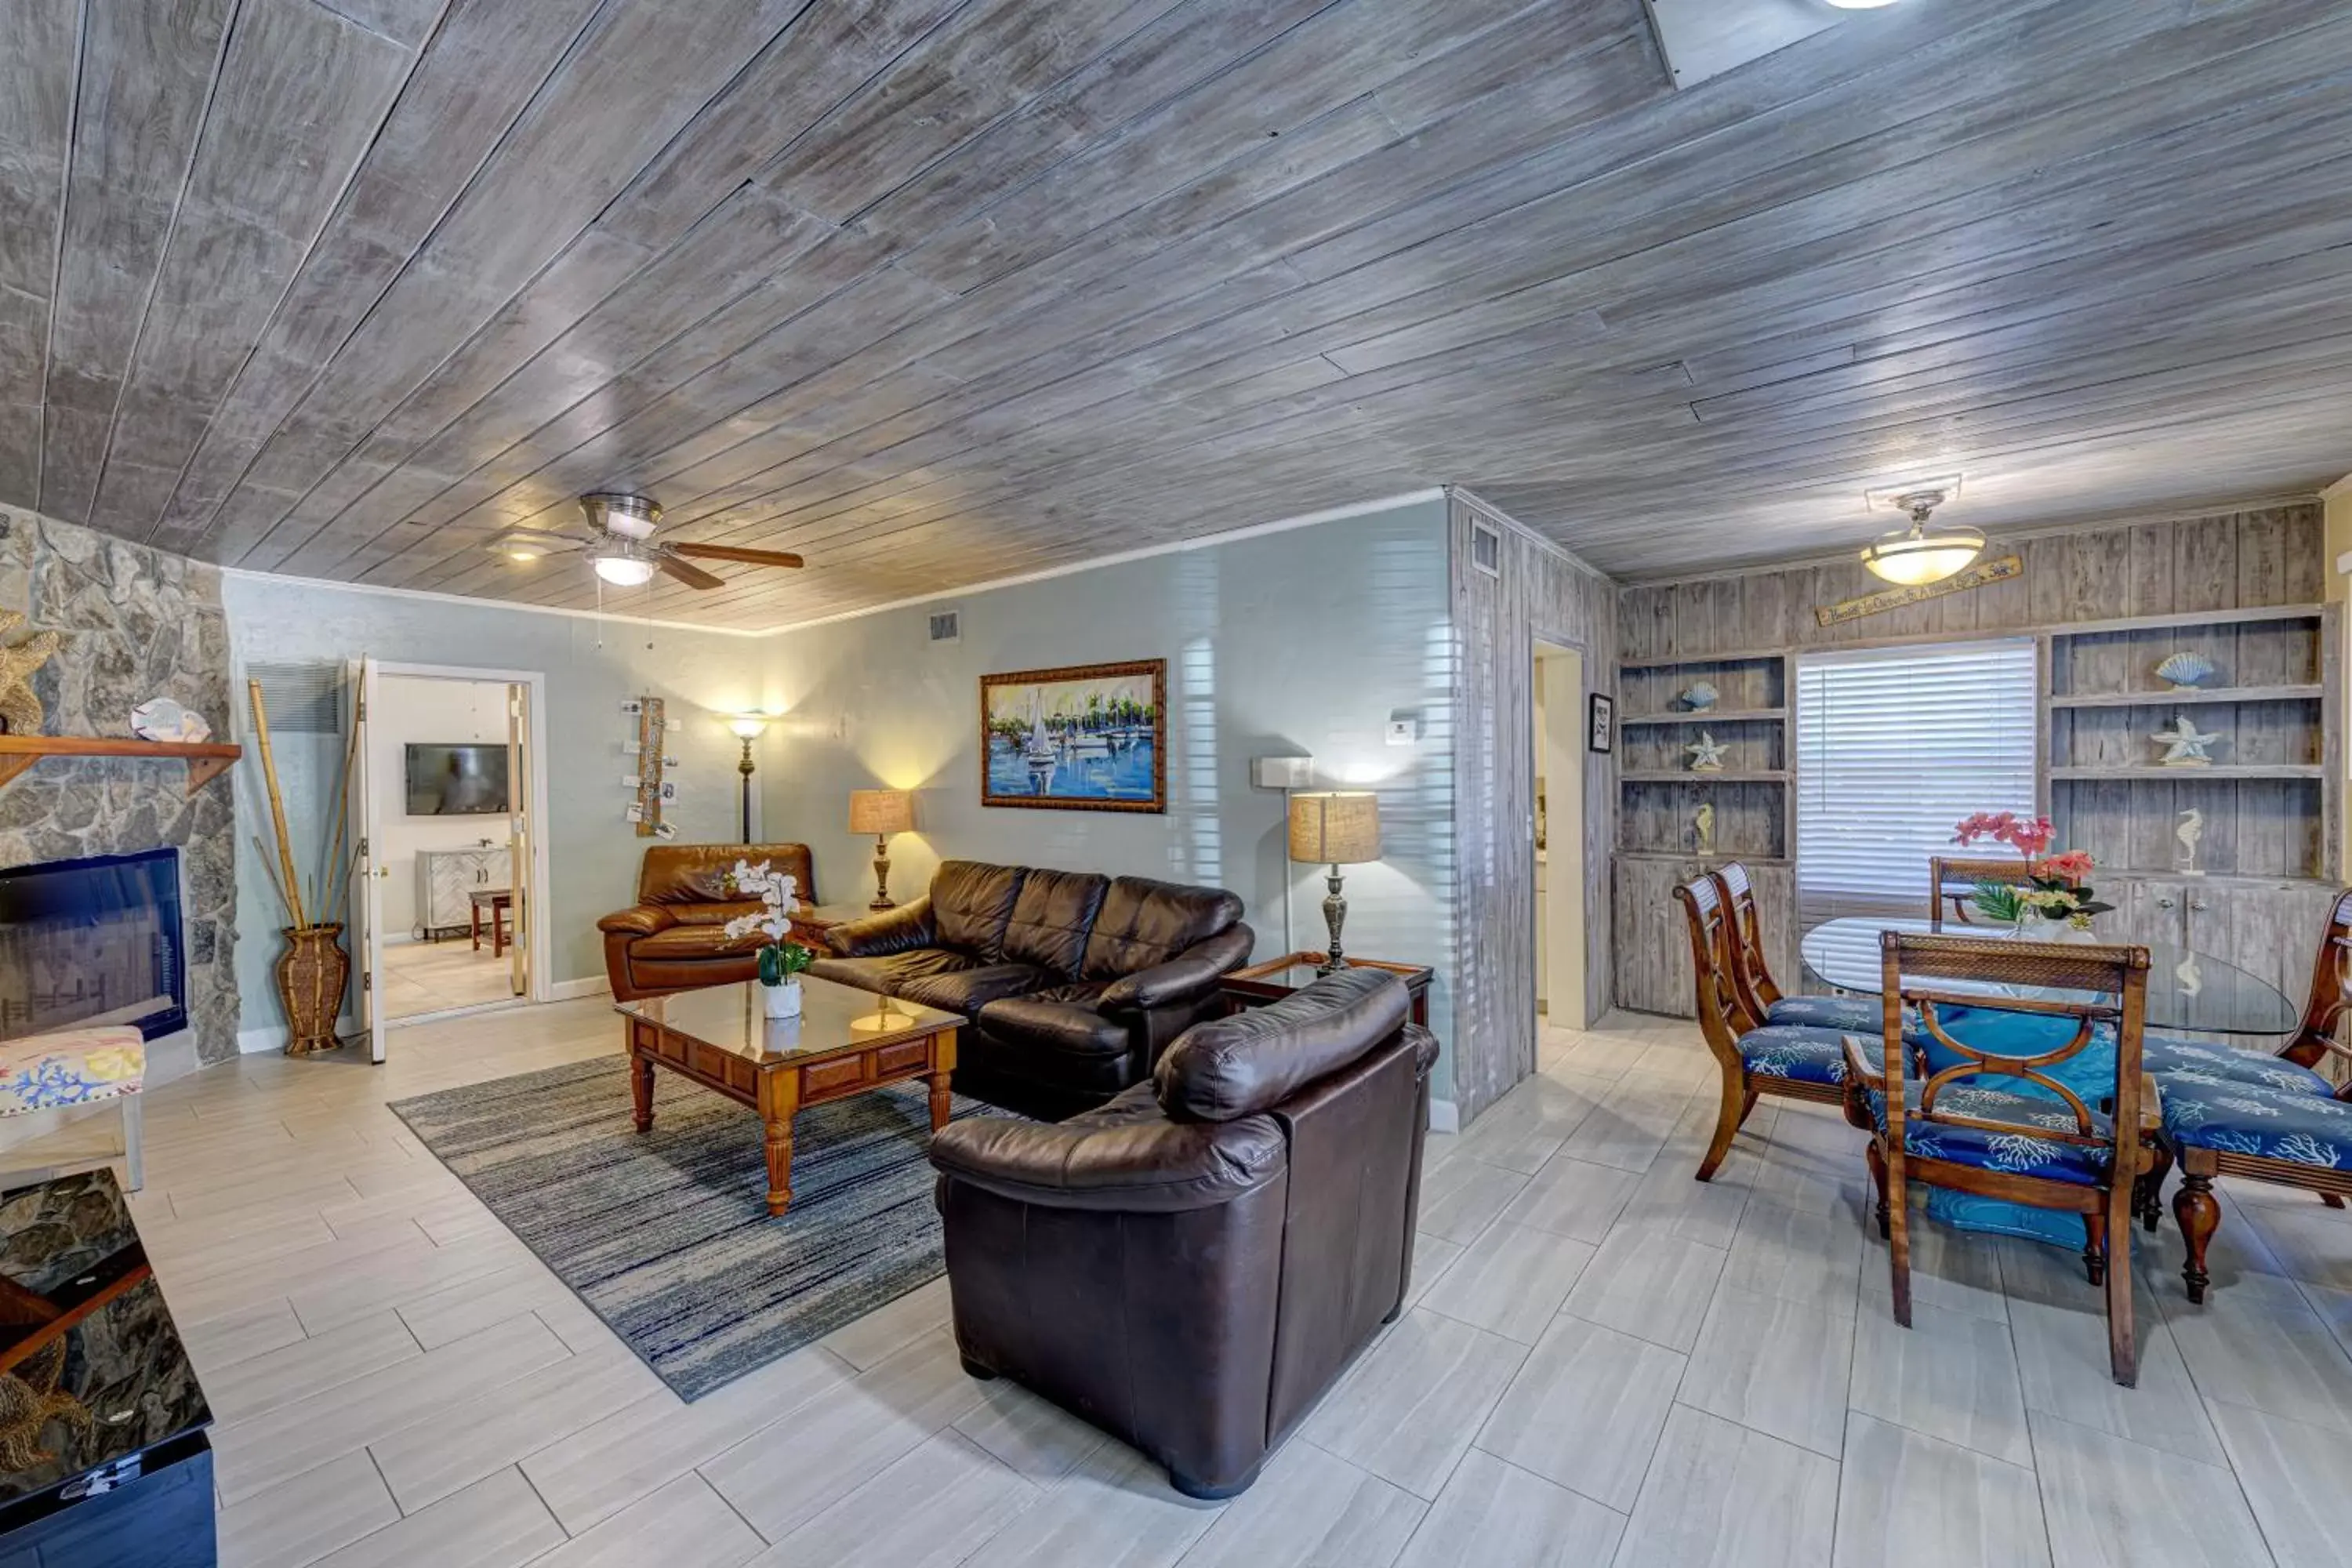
{"x":1335,"y":830}
{"x":881,"y":812}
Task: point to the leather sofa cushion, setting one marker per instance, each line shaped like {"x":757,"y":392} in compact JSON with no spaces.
{"x":1254,"y":1060}
{"x":971,"y":903}
{"x":698,"y":873}
{"x":687,"y":941}
{"x":1055,"y":1027}
{"x":967,"y":990}
{"x":885,"y":975}
{"x":1144,"y":924}
{"x":1125,"y":1155}
{"x":1052,"y":918}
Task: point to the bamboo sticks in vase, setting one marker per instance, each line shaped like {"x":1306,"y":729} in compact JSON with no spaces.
{"x":313,"y":970}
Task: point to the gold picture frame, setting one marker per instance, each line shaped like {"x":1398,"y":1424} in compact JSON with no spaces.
{"x":1082,"y":737}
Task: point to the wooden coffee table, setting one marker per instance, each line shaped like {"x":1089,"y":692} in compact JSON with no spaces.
{"x":843,"y":1043}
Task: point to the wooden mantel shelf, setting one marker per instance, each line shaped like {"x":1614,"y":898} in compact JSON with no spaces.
{"x":207,"y":760}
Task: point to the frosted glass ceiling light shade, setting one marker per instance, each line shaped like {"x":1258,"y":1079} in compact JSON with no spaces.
{"x":625,"y":570}
{"x":1918,"y":555}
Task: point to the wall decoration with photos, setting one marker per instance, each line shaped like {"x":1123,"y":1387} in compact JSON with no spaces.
{"x":1089,"y":737}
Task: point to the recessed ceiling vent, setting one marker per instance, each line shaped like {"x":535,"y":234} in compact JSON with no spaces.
{"x":947,"y":626}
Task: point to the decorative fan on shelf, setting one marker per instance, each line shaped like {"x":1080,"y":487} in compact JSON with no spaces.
{"x":623,"y":550}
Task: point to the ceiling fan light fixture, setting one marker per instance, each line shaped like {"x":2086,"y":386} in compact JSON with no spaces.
{"x":1913,"y":556}
{"x":624,"y":571}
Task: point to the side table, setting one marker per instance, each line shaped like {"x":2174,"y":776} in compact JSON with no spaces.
{"x":1271,"y":981}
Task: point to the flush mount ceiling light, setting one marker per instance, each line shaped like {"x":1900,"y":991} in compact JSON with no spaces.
{"x":519,"y":547}
{"x":1918,"y":555}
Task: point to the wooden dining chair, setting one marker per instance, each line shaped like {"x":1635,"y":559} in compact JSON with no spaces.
{"x":1952,"y":880}
{"x":1957,"y":1129}
{"x":1791,"y":1061}
{"x":1759,"y":996}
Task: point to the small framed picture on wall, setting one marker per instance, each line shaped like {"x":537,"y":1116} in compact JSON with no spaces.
{"x":1601,"y":723}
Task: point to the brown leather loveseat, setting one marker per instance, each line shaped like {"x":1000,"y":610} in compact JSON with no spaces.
{"x":672,"y":940}
{"x":1191,"y":1266}
{"x":1074,"y":981}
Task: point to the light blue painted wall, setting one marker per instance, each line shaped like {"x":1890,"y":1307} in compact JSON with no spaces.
{"x":591,"y":666}
{"x":1303,"y":641}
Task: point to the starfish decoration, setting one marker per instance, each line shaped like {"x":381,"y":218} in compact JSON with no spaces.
{"x":20,"y":710}
{"x":1706,"y":754}
{"x":2184,"y":747}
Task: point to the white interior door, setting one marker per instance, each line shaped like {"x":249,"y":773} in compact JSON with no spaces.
{"x":369,"y":870}
{"x":521,"y":856}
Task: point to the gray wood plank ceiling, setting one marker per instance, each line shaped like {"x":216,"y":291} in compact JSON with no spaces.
{"x":934,"y":291}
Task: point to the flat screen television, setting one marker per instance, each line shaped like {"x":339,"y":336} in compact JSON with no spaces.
{"x":457,"y":781}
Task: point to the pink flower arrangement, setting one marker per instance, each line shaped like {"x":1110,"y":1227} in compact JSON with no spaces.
{"x":2028,"y":838}
{"x":2074,"y":867}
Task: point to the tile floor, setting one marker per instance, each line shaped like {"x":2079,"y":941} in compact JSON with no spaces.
{"x":433,"y":976}
{"x":1607,"y":1362}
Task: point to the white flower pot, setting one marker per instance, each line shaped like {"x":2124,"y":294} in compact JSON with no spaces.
{"x":782,"y":1001}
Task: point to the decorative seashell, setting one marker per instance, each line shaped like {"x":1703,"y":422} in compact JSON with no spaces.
{"x":2186,"y":671}
{"x":1700,"y":696}
{"x":161,"y":719}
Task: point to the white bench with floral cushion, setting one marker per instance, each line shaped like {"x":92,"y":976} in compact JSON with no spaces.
{"x":78,"y":1067}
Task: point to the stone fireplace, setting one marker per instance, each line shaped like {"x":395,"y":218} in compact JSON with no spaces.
{"x":94,"y":941}
{"x":138,"y":624}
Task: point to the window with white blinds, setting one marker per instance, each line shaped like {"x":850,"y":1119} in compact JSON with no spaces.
{"x":1893,"y":747}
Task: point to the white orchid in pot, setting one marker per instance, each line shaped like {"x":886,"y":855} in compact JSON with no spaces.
{"x":780,"y":958}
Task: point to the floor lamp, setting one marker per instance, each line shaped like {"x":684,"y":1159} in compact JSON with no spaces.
{"x":748,"y":727}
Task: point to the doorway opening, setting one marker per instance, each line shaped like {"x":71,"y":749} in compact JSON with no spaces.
{"x":1558,"y":684}
{"x":452,"y":864}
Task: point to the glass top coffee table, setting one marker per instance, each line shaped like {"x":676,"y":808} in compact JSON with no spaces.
{"x":846,"y":1042}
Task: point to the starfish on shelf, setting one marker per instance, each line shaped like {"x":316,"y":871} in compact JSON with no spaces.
{"x":1706,"y":754}
{"x":2184,"y":746}
{"x":20,"y":710}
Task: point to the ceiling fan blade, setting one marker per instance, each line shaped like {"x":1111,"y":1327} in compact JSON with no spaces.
{"x":693,"y":576}
{"x":733,"y":553}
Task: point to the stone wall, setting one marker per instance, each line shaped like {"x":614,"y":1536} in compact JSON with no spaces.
{"x":138,"y":624}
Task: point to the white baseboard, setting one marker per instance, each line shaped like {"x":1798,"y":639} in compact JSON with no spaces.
{"x":1444,"y":1116}
{"x":272,"y":1038}
{"x":573,"y":990}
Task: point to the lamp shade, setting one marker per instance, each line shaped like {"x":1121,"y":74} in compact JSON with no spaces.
{"x":748,"y":725}
{"x":1335,"y":829}
{"x":881,"y":811}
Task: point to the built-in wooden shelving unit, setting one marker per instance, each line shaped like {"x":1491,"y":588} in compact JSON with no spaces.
{"x":207,"y":760}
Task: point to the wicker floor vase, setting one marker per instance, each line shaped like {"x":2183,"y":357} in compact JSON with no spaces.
{"x":311,"y":974}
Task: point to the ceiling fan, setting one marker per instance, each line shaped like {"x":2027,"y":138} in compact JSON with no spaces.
{"x":622,"y":549}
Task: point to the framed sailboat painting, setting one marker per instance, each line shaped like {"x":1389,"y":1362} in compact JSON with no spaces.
{"x":1090,"y":737}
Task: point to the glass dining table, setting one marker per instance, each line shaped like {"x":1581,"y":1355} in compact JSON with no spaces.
{"x":2187,"y":993}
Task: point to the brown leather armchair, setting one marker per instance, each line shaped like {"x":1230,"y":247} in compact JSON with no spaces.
{"x":672,"y":940}
{"x":1074,"y":981}
{"x":1192,"y":1266}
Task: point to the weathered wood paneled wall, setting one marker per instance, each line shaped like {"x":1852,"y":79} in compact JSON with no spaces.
{"x":1541,"y":593}
{"x":2243,"y":559}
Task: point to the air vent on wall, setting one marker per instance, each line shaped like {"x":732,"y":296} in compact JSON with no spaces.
{"x":1486,"y":549}
{"x":302,"y":698}
{"x":947,"y":626}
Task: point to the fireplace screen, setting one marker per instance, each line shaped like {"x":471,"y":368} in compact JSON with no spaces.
{"x":92,"y":941}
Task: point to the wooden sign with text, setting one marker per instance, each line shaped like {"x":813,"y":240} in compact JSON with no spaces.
{"x":1959,"y":581}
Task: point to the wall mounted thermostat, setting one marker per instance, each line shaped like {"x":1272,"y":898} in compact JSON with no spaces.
{"x":1404,"y":728}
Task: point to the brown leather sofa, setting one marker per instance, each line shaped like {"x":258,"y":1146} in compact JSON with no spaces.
{"x":672,"y":941}
{"x":1191,"y":1266}
{"x":1074,"y":983}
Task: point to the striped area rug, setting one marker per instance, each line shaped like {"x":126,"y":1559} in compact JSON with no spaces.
{"x":666,"y":1236}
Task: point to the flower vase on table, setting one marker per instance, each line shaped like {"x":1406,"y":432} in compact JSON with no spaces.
{"x":781,"y":959}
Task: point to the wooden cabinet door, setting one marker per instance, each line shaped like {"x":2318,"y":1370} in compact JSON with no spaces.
{"x":1654,"y":972}
{"x":2148,"y":910}
{"x":2271,"y":930}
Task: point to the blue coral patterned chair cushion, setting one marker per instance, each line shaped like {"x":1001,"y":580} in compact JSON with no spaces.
{"x":72,"y":1066}
{"x":2017,"y":1151}
{"x":2247,"y":1119}
{"x":1799,"y":1055}
{"x":2165,"y":1056}
{"x":1852,"y":1015}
